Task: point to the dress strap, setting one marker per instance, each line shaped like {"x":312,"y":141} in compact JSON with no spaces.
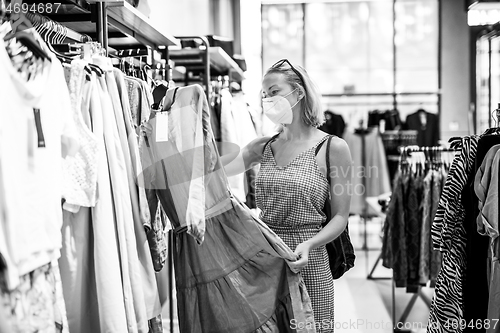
{"x":320,"y":144}
{"x":269,"y":142}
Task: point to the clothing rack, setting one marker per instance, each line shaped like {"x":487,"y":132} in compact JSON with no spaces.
{"x":123,"y":32}
{"x":433,"y":157}
{"x":194,"y":59}
{"x":412,"y":149}
{"x":54,"y":32}
{"x":200,"y":62}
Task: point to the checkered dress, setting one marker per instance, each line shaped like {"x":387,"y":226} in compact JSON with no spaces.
{"x":292,"y":198}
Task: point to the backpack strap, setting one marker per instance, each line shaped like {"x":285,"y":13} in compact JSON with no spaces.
{"x":328,"y":159}
{"x":327,"y":155}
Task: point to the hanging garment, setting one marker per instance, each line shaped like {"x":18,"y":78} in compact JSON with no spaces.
{"x":428,"y":129}
{"x":145,"y":289}
{"x":425,"y":233}
{"x":123,"y":211}
{"x":90,"y":260}
{"x":228,"y":276}
{"x":486,"y":186}
{"x":291,"y":199}
{"x":375,"y":171}
{"x":413,"y":226}
{"x":136,"y":183}
{"x":140,"y":99}
{"x":391,"y":118}
{"x":80,"y":170}
{"x":334,"y":124}
{"x":230,"y":140}
{"x":449,"y":237}
{"x":475,"y":290}
{"x":247,"y":133}
{"x":154,"y":230}
{"x":429,"y":259}
{"x":436,"y":256}
{"x":37,"y":130}
{"x":36,"y":305}
{"x":394,"y":246}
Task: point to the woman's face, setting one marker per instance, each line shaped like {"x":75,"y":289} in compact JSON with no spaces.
{"x":276,"y":84}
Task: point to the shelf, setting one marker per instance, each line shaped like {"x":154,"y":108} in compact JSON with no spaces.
{"x":220,"y":62}
{"x":134,"y":24}
{"x":127,"y":27}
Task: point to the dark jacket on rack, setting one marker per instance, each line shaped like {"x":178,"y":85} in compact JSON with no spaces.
{"x":475,"y":288}
{"x":428,"y":132}
{"x":391,"y":118}
{"x":334,"y":124}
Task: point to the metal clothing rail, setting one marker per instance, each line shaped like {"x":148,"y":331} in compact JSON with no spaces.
{"x":53,"y":30}
{"x":191,"y":59}
{"x":414,"y":149}
{"x":405,"y":152}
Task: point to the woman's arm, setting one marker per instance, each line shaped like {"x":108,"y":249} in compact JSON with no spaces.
{"x":340,"y":192}
{"x":250,"y":155}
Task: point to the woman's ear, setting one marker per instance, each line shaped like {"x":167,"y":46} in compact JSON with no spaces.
{"x":300,"y":92}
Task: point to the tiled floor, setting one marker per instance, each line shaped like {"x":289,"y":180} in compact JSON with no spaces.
{"x":363,"y":305}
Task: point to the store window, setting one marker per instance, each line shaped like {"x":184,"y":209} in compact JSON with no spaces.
{"x":283,"y":34}
{"x":349,"y":46}
{"x":487,"y":81}
{"x":416,"y":46}
{"x":358,"y":52}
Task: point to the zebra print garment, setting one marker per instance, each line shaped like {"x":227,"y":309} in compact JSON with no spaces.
{"x":449,"y":237}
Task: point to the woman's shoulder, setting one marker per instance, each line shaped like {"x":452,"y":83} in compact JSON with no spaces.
{"x":339,"y":150}
{"x":257,"y":145}
{"x":338,"y":146}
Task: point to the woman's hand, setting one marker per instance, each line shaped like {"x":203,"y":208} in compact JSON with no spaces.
{"x":302,"y":253}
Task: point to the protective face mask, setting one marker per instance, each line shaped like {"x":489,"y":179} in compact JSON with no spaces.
{"x":278,"y":109}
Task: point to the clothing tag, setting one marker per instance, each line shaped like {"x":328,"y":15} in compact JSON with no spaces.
{"x":39,"y":129}
{"x":161,"y":126}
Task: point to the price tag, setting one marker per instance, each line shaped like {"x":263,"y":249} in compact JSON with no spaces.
{"x":161,"y":126}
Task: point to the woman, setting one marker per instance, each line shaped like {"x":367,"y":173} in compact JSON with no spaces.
{"x":291,"y":187}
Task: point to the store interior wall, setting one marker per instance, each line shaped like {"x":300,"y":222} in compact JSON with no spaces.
{"x":455,"y":70}
{"x":182,"y":18}
{"x":197,"y":17}
{"x":217,"y":17}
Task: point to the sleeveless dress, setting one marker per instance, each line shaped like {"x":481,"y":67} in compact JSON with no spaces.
{"x":291,"y":199}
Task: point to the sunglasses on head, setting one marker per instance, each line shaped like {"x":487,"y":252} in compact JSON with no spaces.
{"x":283,"y":61}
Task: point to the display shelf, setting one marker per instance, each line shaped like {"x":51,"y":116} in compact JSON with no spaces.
{"x":127,"y":27}
{"x":220,"y":62}
{"x":133,"y":23}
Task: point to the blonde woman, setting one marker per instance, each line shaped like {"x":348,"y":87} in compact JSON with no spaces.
{"x":291,"y":187}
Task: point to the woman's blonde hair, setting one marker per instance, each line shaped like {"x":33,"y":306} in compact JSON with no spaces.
{"x":312,"y":113}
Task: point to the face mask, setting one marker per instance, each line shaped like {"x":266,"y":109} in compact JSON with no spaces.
{"x":278,"y":109}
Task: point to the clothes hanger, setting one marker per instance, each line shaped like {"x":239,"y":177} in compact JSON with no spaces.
{"x":495,"y":114}
{"x":49,"y":31}
{"x":20,"y":24}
